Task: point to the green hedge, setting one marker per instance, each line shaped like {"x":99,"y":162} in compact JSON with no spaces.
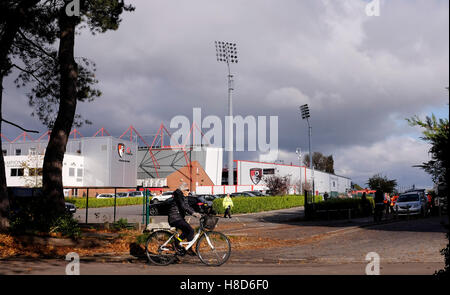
{"x":259,"y":204}
{"x":80,"y":203}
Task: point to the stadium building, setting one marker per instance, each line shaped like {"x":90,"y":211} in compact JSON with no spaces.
{"x":103,"y":163}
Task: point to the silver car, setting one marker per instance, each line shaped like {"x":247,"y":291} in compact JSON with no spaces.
{"x":162,"y":197}
{"x":412,"y":203}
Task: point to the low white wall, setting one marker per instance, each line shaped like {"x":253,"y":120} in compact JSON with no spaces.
{"x":227,"y":189}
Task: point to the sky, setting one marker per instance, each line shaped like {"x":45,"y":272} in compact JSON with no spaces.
{"x":360,"y":75}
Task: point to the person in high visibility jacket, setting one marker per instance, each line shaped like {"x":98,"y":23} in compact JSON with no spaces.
{"x":387,"y":203}
{"x":227,"y":204}
{"x":393,"y":200}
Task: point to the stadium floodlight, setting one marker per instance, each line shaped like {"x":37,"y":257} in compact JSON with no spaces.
{"x":227,"y":52}
{"x":304,"y":110}
{"x":298,"y":151}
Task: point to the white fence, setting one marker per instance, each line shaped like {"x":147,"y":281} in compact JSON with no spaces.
{"x":227,"y":189}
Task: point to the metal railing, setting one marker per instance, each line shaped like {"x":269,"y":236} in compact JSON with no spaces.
{"x":87,"y":193}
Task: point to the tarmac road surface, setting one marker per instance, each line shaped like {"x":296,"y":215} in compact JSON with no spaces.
{"x":322,"y":247}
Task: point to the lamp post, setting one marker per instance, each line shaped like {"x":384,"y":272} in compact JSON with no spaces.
{"x":298,"y":151}
{"x":226,"y":52}
{"x":304,"y":109}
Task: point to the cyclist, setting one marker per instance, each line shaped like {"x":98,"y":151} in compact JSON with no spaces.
{"x":178,"y":209}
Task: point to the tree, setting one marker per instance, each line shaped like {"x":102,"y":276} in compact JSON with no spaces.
{"x":34,"y":176}
{"x":320,"y":162}
{"x":100,"y":16}
{"x":59,"y":80}
{"x":356,"y":186}
{"x":13,"y":15}
{"x":381,"y":182}
{"x":278,"y":185}
{"x":436,"y":132}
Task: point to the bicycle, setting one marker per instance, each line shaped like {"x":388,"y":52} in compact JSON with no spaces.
{"x":213,"y":248}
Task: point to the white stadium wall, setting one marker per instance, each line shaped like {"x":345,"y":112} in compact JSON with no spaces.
{"x":324,"y":182}
{"x":214,"y":164}
{"x":88,"y":162}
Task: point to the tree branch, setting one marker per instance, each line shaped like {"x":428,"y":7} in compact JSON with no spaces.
{"x":26,"y":130}
{"x":36,"y":45}
{"x":34,"y":76}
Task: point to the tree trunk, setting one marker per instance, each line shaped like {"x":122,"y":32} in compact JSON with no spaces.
{"x":12,"y":24}
{"x":54,"y":154}
{"x":4,"y":200}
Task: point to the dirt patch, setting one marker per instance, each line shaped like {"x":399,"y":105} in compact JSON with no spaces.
{"x":95,"y":242}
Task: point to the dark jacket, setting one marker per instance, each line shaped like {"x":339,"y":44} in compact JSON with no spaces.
{"x":179,"y":207}
{"x":379,"y":196}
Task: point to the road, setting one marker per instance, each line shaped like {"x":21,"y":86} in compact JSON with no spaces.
{"x":106,"y":214}
{"x":134,"y":215}
{"x":51,"y":267}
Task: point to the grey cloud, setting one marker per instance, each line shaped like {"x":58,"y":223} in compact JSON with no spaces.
{"x":360,"y":75}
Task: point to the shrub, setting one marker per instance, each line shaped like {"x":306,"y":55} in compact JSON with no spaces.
{"x":277,"y":185}
{"x":122,"y":223}
{"x":80,"y":203}
{"x":67,"y":226}
{"x":141,"y":239}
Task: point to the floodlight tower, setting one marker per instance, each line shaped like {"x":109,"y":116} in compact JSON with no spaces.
{"x":226,"y":52}
{"x":298,"y":151}
{"x":304,"y":109}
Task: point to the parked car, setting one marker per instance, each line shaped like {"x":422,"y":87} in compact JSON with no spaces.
{"x":220,"y":195}
{"x":105,"y":196}
{"x":22,"y":199}
{"x":256,"y":193}
{"x":162,"y":197}
{"x":136,"y":194}
{"x":122,"y":195}
{"x":207,"y":197}
{"x":162,"y":208}
{"x":412,"y":203}
{"x":242,"y":194}
{"x":130,"y":194}
{"x":70,"y":208}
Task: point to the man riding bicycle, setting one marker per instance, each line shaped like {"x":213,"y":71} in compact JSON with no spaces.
{"x":177,"y":212}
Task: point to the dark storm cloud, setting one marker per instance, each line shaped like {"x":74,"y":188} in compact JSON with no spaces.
{"x":360,"y":75}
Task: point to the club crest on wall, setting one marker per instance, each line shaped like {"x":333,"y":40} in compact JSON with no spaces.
{"x":256,"y":175}
{"x":121,"y":149}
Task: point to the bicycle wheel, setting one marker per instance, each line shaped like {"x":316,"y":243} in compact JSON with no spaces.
{"x":158,"y":250}
{"x":213,"y":248}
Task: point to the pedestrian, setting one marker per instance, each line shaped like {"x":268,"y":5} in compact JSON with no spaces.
{"x":392,"y":204}
{"x":387,"y":203}
{"x":379,"y":205}
{"x":364,"y":204}
{"x":325,"y":196}
{"x":227,"y":204}
{"x":429,"y":203}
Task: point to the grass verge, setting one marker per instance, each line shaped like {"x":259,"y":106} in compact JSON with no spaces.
{"x":80,"y":203}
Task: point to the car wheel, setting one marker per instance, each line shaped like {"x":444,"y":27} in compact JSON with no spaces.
{"x":153,"y":211}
